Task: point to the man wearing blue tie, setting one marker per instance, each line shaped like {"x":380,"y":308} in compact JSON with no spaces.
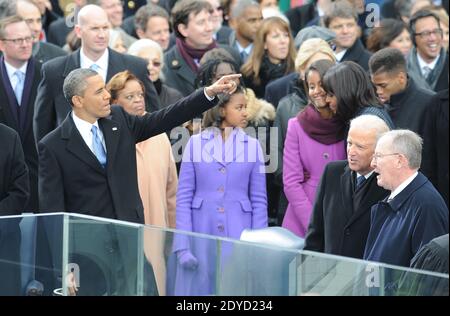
{"x":88,"y":164}
{"x":19,"y":80}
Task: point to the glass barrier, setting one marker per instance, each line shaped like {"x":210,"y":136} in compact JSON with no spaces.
{"x":71,"y":254}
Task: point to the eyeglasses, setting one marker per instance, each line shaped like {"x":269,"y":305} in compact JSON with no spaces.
{"x":131,"y":97}
{"x":155,"y":63}
{"x":426,"y":34}
{"x":377,"y":156}
{"x":219,"y":8}
{"x":19,"y":41}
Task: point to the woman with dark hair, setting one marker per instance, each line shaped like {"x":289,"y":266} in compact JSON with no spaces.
{"x":350,"y":93}
{"x":272,"y":56}
{"x":391,"y":33}
{"x":317,"y":129}
{"x":221,"y":192}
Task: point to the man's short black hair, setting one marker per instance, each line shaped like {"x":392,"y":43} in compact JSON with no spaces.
{"x":390,"y":60}
{"x":182,"y":10}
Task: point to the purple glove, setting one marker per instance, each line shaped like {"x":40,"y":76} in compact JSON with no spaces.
{"x":187,"y":259}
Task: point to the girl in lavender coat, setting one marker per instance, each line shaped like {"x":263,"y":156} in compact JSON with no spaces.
{"x":314,"y":138}
{"x":221,"y":192}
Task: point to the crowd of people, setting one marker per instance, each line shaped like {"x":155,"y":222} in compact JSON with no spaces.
{"x":215,"y":116}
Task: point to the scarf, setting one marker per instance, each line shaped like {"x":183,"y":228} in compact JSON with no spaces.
{"x":270,"y":71}
{"x":325,"y":131}
{"x":415,"y":71}
{"x":189,"y":53}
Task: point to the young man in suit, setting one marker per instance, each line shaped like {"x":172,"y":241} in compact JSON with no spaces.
{"x":14,"y":192}
{"x":19,"y":80}
{"x":93,"y":29}
{"x":340,"y":219}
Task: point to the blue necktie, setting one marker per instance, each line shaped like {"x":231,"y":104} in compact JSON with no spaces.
{"x":18,"y":90}
{"x":97,"y":145}
{"x":244,"y":56}
{"x":360,"y":181}
{"x":95,"y":67}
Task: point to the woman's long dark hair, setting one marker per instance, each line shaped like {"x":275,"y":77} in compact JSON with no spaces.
{"x":207,"y":71}
{"x":382,"y":36}
{"x":352,"y":87}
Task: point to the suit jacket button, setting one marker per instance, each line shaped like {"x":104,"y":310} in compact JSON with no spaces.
{"x":347,"y":232}
{"x":222,"y":169}
{"x":221,"y":189}
{"x":220,"y":228}
{"x":221,"y":209}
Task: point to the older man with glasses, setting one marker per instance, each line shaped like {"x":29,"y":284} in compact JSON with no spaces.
{"x":414,"y":213}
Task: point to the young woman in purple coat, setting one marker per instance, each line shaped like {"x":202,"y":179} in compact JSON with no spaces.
{"x":221,"y":192}
{"x":314,"y":138}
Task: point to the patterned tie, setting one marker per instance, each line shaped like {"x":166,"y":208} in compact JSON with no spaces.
{"x":426,"y":72}
{"x":360,"y":181}
{"x":97,"y":145}
{"x":244,"y":56}
{"x":18,"y":89}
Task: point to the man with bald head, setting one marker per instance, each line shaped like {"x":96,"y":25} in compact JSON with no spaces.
{"x":93,"y":27}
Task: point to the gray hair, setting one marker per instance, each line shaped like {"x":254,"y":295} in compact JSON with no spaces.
{"x":241,"y":6}
{"x":75,"y":83}
{"x":144,"y":43}
{"x":146,"y":12}
{"x":407,"y":143}
{"x":368,"y":121}
{"x":7,"y":8}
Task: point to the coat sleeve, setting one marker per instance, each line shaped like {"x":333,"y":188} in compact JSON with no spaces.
{"x":151,"y":124}
{"x":51,"y":186}
{"x":185,"y":195}
{"x":257,"y":190}
{"x":18,"y":188}
{"x":315,"y":239}
{"x":44,"y":120}
{"x":432,"y":222}
{"x":293,"y":177}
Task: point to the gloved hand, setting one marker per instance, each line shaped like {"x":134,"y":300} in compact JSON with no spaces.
{"x":187,"y":259}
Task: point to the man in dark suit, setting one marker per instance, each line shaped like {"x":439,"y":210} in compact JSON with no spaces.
{"x":18,"y":94}
{"x":340,"y":219}
{"x":407,"y":102}
{"x":93,"y":29}
{"x":14,"y":192}
{"x":73,"y":178}
{"x":88,"y":165}
{"x":343,"y":20}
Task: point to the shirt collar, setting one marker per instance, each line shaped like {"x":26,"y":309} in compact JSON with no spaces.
{"x":11,"y":69}
{"x":367,"y":176}
{"x":402,"y":186}
{"x":82,"y":125}
{"x":340,"y":55}
{"x":423,"y":63}
{"x":102,"y":62}
{"x":248,"y":49}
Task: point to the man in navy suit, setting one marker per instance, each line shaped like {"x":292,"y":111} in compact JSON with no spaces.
{"x":18,"y":94}
{"x":93,"y":29}
{"x":414,"y":213}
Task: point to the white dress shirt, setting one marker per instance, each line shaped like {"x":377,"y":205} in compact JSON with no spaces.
{"x":423,"y":63}
{"x":10,"y":70}
{"x":102,"y":63}
{"x":402,"y":186}
{"x":85,"y":131}
{"x":367,"y":176}
{"x":340,"y":55}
